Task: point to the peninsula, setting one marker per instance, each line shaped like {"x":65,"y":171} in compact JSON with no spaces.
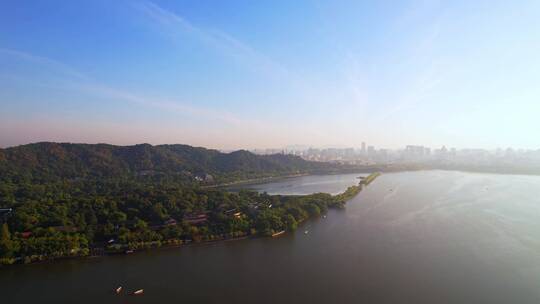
{"x":69,"y":200}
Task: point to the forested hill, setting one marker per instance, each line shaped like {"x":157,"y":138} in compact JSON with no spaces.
{"x":48,"y":161}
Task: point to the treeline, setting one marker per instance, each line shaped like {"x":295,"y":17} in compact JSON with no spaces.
{"x":370,"y":178}
{"x":80,"y":218}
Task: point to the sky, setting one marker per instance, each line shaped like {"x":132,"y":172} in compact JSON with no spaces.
{"x":268,"y":74}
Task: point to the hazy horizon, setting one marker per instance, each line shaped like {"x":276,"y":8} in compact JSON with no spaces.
{"x":240,"y":75}
{"x":287,"y":148}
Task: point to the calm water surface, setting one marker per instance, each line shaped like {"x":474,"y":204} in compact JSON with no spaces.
{"x":413,"y":237}
{"x":332,"y":184}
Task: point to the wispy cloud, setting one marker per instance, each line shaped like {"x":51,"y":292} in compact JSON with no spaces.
{"x":164,"y":104}
{"x":69,"y":78}
{"x":42,"y":62}
{"x":174,"y":26}
{"x":365,"y":74}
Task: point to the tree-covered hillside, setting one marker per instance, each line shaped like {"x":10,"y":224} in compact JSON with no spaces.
{"x":59,"y":161}
{"x":61,"y":200}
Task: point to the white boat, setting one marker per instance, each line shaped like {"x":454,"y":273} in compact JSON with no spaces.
{"x":278,"y":233}
{"x":306,"y":232}
{"x":119,"y":289}
{"x":138,"y":292}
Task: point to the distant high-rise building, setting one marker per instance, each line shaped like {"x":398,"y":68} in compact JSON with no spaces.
{"x":349,"y":152}
{"x":414,"y":150}
{"x":363,"y":151}
{"x":371,"y":150}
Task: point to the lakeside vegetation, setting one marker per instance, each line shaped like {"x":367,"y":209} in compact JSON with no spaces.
{"x":70,"y":200}
{"x":64,"y":220}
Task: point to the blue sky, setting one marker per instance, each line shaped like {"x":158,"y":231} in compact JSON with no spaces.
{"x":255,"y":74}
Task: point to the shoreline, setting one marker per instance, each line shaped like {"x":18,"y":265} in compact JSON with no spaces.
{"x":113,"y":254}
{"x":254,"y":180}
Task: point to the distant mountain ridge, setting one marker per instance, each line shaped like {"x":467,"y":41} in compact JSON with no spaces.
{"x":49,"y":160}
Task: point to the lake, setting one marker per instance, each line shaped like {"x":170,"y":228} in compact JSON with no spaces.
{"x":410,"y":237}
{"x":332,"y":184}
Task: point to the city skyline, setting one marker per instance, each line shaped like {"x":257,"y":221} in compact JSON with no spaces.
{"x":245,"y":76}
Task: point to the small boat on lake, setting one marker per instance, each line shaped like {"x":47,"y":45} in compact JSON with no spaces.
{"x":306,"y":232}
{"x":138,"y":292}
{"x":119,"y":289}
{"x":278,"y":233}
